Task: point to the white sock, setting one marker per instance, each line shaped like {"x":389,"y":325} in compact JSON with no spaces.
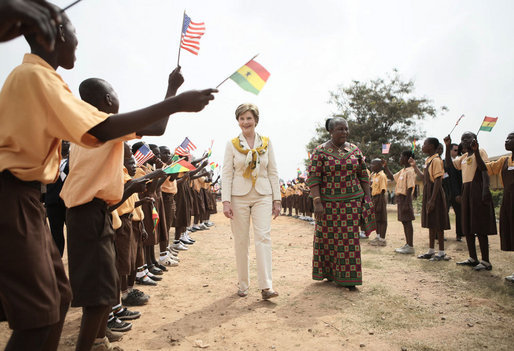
{"x":140,"y":272}
{"x":430,"y":251}
{"x":441,"y":253}
{"x":378,"y":236}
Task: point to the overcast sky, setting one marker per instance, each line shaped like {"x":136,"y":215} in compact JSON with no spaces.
{"x":460,"y":54}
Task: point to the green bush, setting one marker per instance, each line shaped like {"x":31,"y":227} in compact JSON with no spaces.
{"x":497,"y":197}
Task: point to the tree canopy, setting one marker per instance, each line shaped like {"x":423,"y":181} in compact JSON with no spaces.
{"x":379,"y":111}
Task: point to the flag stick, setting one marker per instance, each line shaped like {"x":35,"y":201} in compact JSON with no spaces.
{"x":181,"y":35}
{"x":455,"y":124}
{"x":70,"y":5}
{"x":236,"y":71}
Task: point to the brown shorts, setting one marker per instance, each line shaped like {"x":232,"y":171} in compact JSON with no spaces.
{"x":169,"y":208}
{"x":380,"y":205}
{"x":123,"y":244}
{"x":33,"y":284}
{"x":91,"y":255}
{"x":405,"y":209}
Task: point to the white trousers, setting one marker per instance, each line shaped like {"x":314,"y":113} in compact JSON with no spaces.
{"x":258,"y":208}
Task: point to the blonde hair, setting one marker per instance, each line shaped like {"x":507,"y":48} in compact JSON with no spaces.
{"x":248,"y":107}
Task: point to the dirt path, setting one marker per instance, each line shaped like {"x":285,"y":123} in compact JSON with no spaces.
{"x":404,"y":303}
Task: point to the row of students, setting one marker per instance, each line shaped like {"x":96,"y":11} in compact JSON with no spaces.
{"x":297,"y":196}
{"x":37,"y":111}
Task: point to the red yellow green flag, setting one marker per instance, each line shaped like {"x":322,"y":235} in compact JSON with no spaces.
{"x":488,"y":123}
{"x":179,"y":167}
{"x":413,"y":146}
{"x":251,"y":77}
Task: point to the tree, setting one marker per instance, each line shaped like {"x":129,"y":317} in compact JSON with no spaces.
{"x":380,"y":111}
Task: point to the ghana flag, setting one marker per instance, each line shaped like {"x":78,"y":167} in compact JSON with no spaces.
{"x":180,"y":166}
{"x":251,"y":77}
{"x":488,"y":123}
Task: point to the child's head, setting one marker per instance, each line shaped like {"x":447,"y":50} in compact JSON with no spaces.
{"x":509,"y":142}
{"x":376,"y":165}
{"x":155,"y":150}
{"x":165,"y":154}
{"x":100,"y":94}
{"x":136,"y":146}
{"x":466,"y":140}
{"x":63,"y":54}
{"x":404,"y":158}
{"x":430,"y":146}
{"x":130,"y":165}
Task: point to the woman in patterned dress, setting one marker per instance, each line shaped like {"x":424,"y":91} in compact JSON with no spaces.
{"x":340,"y":190}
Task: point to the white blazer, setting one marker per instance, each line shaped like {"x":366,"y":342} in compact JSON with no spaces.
{"x":232,"y":180}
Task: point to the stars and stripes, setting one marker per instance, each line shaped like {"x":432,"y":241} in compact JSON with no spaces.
{"x":143,"y":154}
{"x":185,"y":147}
{"x":192,"y":32}
{"x":385,"y":148}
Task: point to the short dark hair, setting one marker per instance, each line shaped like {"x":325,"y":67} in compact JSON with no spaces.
{"x":433,"y":141}
{"x":408,"y":154}
{"x":93,"y":91}
{"x":136,"y":146}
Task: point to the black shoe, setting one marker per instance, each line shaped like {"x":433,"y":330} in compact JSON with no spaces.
{"x":426,"y":256}
{"x":118,"y":326}
{"x":154,"y":270}
{"x":141,"y":294}
{"x":459,"y":238}
{"x":483,"y":266}
{"x":161,"y":267}
{"x":186,"y":242}
{"x":469,"y":262}
{"x":352,"y":288}
{"x":145,"y":281}
{"x":154,"y":277}
{"x":133,"y":299}
{"x":125,"y":314}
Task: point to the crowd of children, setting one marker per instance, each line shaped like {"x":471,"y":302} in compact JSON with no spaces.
{"x":104,"y":226}
{"x":461,"y":181}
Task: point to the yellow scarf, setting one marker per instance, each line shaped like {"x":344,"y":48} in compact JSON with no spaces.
{"x":252,"y":161}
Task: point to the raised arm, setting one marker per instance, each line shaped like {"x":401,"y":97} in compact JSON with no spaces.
{"x":118,"y":125}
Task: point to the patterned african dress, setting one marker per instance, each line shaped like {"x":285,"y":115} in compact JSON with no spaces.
{"x":339,"y":173}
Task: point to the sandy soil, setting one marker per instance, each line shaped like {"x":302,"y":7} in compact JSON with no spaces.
{"x":404,"y":304}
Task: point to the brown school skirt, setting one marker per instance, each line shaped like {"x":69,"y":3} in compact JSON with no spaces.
{"x":148,"y":224}
{"x":91,"y":255}
{"x":290,"y":201}
{"x":123,"y":244}
{"x":380,"y":206}
{"x":405,"y":209}
{"x":214,"y":208}
{"x":169,"y":208}
{"x":162,"y":227}
{"x":477,"y":216}
{"x":183,"y":212}
{"x":137,"y":242}
{"x":438,"y":219}
{"x":33,"y":284}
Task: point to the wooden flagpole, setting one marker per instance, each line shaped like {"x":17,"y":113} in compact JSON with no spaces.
{"x":456,"y":124}
{"x":236,"y":71}
{"x":181,"y":36}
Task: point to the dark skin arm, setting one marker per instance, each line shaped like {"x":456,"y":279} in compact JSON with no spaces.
{"x":216,"y":181}
{"x":447,"y":154}
{"x":175,"y":80}
{"x":143,"y":200}
{"x":387,"y":171}
{"x":18,"y":17}
{"x":198,"y":160}
{"x":137,"y":185}
{"x":412,"y":162}
{"x":121,"y":124}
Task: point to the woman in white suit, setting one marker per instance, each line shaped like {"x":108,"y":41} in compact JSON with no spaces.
{"x":250,"y":189}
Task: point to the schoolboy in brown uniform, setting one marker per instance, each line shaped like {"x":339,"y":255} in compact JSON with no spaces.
{"x":378,"y":190}
{"x":290,"y":198}
{"x":477,"y":207}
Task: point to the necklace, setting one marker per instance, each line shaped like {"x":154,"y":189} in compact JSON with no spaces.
{"x":338,"y":148}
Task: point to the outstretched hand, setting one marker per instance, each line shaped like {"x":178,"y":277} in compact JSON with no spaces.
{"x":474,"y":145}
{"x":195,"y":100}
{"x":447,"y":140}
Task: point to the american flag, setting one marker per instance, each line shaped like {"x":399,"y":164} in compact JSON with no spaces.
{"x":191,"y":34}
{"x":185,"y":148}
{"x":385,"y":148}
{"x":143,"y":154}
